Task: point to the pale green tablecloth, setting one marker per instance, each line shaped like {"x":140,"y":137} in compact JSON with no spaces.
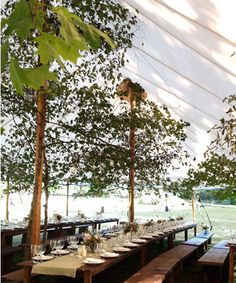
{"x":63,"y":265}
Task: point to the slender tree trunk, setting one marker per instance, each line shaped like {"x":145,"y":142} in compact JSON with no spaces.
{"x":33,"y":236}
{"x":46,"y":181}
{"x":67,"y":197}
{"x":7,"y":199}
{"x":193,"y":205}
{"x":132,"y":156}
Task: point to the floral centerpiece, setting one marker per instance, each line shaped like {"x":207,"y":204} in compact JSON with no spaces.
{"x":57,"y":217}
{"x":81,"y":215}
{"x":90,"y":240}
{"x":130,"y":227}
{"x":180,"y":218}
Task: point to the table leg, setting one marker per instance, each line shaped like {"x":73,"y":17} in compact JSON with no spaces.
{"x":87,"y":276}
{"x":27,"y":274}
{"x":161,"y":243}
{"x":231,"y":265}
{"x":186,"y":234}
{"x":195,"y":230}
{"x":170,"y":241}
{"x":143,"y":255}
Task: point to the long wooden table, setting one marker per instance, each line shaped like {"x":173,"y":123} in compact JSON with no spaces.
{"x":54,"y":229}
{"x":88,"y":271}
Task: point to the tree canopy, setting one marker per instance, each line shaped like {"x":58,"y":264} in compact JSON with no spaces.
{"x":219,"y":166}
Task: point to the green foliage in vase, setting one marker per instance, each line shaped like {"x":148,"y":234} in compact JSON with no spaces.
{"x":130,"y":227}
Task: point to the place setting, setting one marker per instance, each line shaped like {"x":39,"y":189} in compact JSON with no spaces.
{"x":38,"y":251}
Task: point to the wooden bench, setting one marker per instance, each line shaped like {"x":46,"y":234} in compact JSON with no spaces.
{"x":9,"y":256}
{"x":164,"y":267}
{"x":221,"y":245}
{"x":212,"y":259}
{"x":201,"y":243}
{"x":16,"y":276}
{"x":205,"y":235}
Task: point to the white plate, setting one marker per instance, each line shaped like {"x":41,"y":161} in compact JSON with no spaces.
{"x":157,"y":234}
{"x":91,"y":260}
{"x":108,"y":254}
{"x":147,"y":237}
{"x":44,"y":257}
{"x":139,"y":241}
{"x":160,"y":233}
{"x":121,"y":249}
{"x":73,"y":247}
{"x":131,"y":245}
{"x":61,"y":252}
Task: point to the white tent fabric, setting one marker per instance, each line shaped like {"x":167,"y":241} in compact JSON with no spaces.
{"x":184,"y":57}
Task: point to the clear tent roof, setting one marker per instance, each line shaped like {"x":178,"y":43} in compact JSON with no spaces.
{"x":184,"y":57}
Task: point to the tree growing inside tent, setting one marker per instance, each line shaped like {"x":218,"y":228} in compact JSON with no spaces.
{"x":21,"y":110}
{"x":144,"y":141}
{"x":43,"y":27}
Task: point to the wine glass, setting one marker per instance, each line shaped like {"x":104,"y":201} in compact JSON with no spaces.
{"x":41,"y":250}
{"x":59,"y":246}
{"x":73,"y":240}
{"x":52,"y":244}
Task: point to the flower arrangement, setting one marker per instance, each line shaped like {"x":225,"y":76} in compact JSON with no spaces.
{"x":130,"y":227}
{"x":81,"y":215}
{"x":161,"y":221}
{"x":57,"y":217}
{"x":90,"y":240}
{"x":149,"y":223}
{"x":179,"y":218}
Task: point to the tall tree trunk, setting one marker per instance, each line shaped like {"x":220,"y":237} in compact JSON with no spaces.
{"x":67,"y":197}
{"x":132,"y":156}
{"x":33,"y":236}
{"x":46,"y":181}
{"x":7,"y":199}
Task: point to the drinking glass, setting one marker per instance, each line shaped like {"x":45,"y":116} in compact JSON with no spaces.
{"x":52,"y":244}
{"x":59,"y":246}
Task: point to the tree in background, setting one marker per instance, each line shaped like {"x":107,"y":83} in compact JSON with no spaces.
{"x":109,"y":160}
{"x":219,"y":166}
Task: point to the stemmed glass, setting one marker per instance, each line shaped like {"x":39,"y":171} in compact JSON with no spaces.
{"x":73,"y":240}
{"x":59,"y":246}
{"x":39,"y":250}
{"x":42,"y":250}
{"x":52,"y":244}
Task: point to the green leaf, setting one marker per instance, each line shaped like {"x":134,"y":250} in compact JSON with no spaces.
{"x":68,"y":30}
{"x":91,"y":33}
{"x":20,"y":20}
{"x":4,"y":54}
{"x":39,"y":20}
{"x":53,"y":48}
{"x":17,"y":76}
{"x":31,"y":77}
{"x":36,"y":77}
